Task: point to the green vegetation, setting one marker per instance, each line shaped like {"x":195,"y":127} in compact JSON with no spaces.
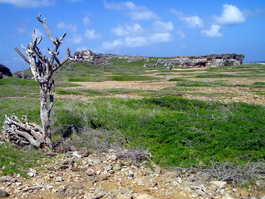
{"x":15,"y":87}
{"x":186,"y":83}
{"x":177,"y":131}
{"x":96,"y":92}
{"x":131,"y":78}
{"x":17,"y":161}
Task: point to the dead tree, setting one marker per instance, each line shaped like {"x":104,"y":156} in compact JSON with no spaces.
{"x":42,"y":69}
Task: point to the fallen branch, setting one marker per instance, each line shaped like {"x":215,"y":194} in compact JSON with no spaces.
{"x":24,"y":133}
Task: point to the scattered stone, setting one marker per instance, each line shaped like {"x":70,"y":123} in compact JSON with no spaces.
{"x":260,"y":183}
{"x":7,"y":179}
{"x":68,"y":191}
{"x":3,"y":193}
{"x":59,"y":179}
{"x":90,"y":172}
{"x":125,"y":193}
{"x":117,"y":167}
{"x":145,"y":196}
{"x":32,"y":172}
{"x":69,"y":161}
{"x":106,"y":176}
{"x":220,"y":184}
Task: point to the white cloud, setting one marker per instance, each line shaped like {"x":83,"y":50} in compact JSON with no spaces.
{"x":76,"y":39}
{"x":214,"y":32}
{"x":135,"y":41}
{"x":29,"y":3}
{"x":136,"y":13}
{"x":138,"y":41}
{"x":231,"y":15}
{"x":160,"y":38}
{"x":113,"y":6}
{"x":92,"y":35}
{"x":127,"y":30}
{"x":86,"y":20}
{"x":112,"y":45}
{"x":21,"y":30}
{"x":160,"y":26}
{"x":64,"y":26}
{"x":181,"y":34}
{"x":191,"y":21}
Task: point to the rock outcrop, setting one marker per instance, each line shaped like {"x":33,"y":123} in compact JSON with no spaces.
{"x":212,"y":60}
{"x":92,"y":58}
{"x":4,"y":71}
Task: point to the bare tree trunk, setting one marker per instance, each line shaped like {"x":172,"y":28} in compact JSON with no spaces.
{"x":42,"y":69}
{"x":46,"y":91}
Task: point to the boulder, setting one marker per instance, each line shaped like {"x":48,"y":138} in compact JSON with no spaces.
{"x":3,"y":193}
{"x":90,"y":57}
{"x":4,"y":71}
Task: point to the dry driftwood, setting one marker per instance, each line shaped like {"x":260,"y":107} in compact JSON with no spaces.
{"x":23,"y":133}
{"x":42,"y":69}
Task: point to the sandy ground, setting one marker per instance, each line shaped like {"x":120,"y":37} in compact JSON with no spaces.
{"x":237,"y":94}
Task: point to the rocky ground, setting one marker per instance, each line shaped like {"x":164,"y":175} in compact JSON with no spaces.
{"x":114,"y":175}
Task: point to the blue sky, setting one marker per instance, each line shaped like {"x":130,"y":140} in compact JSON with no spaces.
{"x":136,"y":27}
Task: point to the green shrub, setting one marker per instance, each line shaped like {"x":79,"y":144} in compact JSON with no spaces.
{"x":177,"y":131}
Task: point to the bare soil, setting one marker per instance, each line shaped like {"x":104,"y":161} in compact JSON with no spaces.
{"x":224,"y":94}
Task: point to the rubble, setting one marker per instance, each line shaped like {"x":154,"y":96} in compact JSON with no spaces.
{"x":106,"y":176}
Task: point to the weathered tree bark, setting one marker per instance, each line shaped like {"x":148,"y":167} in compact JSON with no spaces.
{"x":42,"y":69}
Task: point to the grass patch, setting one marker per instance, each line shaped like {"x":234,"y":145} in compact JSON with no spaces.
{"x":97,"y":92}
{"x":14,"y":161}
{"x":186,"y":83}
{"x":258,"y":85}
{"x":202,"y":84}
{"x":220,"y":75}
{"x":15,"y":87}
{"x":177,"y":79}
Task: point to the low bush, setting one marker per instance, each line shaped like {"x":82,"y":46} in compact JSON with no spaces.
{"x":177,"y":131}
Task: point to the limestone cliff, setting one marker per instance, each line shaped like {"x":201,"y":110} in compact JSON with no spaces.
{"x":212,"y":60}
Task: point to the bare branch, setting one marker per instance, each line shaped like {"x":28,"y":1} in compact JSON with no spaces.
{"x":63,"y":36}
{"x":21,"y":55}
{"x":43,"y":21}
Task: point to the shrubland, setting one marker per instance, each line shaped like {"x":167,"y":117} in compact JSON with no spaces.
{"x":176,"y":131}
